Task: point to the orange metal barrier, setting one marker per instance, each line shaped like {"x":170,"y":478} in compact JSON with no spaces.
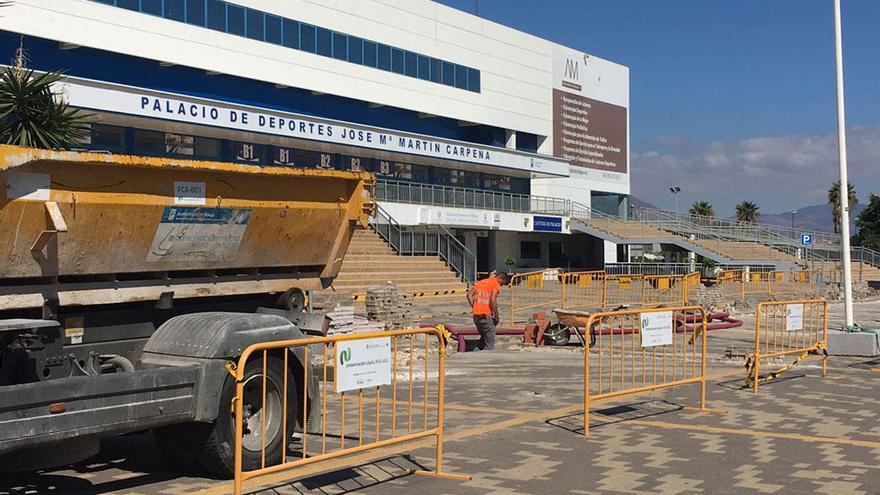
{"x":623,"y":289}
{"x":389,"y":374}
{"x":530,"y":291}
{"x":788,"y":328}
{"x":640,"y":351}
{"x":737,"y":284}
{"x":664,"y":289}
{"x":583,"y":290}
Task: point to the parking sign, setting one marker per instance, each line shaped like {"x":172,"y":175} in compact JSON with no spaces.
{"x":807,"y":239}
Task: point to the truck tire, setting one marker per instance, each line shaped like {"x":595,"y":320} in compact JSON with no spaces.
{"x":213,"y":444}
{"x":176,"y":449}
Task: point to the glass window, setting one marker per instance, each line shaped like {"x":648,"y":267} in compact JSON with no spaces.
{"x":195,"y":12}
{"x":291,"y":34}
{"x":208,"y":148}
{"x":448,"y":74}
{"x":149,"y":142}
{"x":107,"y":137}
{"x":412,"y":64}
{"x":234,"y":19}
{"x":461,"y":77}
{"x":129,"y":4}
{"x":424,"y":68}
{"x":436,"y":70}
{"x":497,"y":182}
{"x":355,"y":163}
{"x":397,"y":60}
{"x":217,"y":15}
{"x":370,"y":54}
{"x":340,"y":46}
{"x":530,"y":250}
{"x":473,"y":80}
{"x":254,"y":24}
{"x":108,"y":2}
{"x":463,"y":178}
{"x":151,"y":7}
{"x":248,"y":152}
{"x":325,"y":42}
{"x":283,"y":156}
{"x":315,"y":159}
{"x":355,"y":50}
{"x":384,"y":57}
{"x":178,"y":144}
{"x":273,"y":29}
{"x":307,"y":37}
{"x":175,"y":10}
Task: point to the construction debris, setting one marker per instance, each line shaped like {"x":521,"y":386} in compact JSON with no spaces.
{"x":385,"y":304}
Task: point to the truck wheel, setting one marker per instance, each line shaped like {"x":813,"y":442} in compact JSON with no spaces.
{"x":174,"y":443}
{"x":214,"y":443}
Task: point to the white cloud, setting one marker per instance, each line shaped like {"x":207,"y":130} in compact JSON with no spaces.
{"x":779,"y":173}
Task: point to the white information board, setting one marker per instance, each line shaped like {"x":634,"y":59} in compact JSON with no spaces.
{"x":794,"y":317}
{"x":363,"y":364}
{"x":656,"y":329}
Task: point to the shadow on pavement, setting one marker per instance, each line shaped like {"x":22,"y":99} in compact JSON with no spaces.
{"x":351,"y":480}
{"x":125,"y":463}
{"x":574,"y":423}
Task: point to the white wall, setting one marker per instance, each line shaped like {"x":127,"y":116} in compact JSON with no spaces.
{"x":516,"y":68}
{"x":412,"y":215}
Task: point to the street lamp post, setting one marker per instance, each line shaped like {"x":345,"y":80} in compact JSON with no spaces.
{"x":844,"y":182}
{"x":793,"y":213}
{"x":675,"y":190}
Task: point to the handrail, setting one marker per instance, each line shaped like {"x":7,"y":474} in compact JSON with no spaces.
{"x":463,"y":197}
{"x":441,"y":243}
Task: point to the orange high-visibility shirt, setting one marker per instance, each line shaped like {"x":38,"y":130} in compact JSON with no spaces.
{"x":482,"y":294}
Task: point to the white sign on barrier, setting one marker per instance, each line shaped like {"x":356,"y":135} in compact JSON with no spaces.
{"x":656,"y":329}
{"x":794,"y":317}
{"x":363,"y":364}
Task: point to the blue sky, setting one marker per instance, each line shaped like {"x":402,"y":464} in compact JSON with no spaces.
{"x":733,"y":99}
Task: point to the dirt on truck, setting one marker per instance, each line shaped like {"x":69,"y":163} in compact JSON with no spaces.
{"x":128,"y":283}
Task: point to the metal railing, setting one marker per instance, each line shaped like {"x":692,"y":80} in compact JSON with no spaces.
{"x":462,"y":197}
{"x":430,"y":240}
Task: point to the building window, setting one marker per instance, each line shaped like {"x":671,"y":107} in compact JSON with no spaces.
{"x":355,"y":50}
{"x":384,"y":57}
{"x":397,"y":61}
{"x":248,"y":152}
{"x":107,"y":137}
{"x":464,"y":178}
{"x":307,"y":41}
{"x":282,"y":156}
{"x":370,"y":54}
{"x":129,"y":4}
{"x":151,"y":7}
{"x":315,"y":159}
{"x":208,"y":148}
{"x":178,"y":144}
{"x":254,"y":24}
{"x":273,"y":29}
{"x":412,"y":64}
{"x":291,"y":34}
{"x":217,"y":15}
{"x":149,"y":142}
{"x":195,"y":12}
{"x":175,"y":10}
{"x":325,"y":42}
{"x":234,"y":19}
{"x":530,"y":250}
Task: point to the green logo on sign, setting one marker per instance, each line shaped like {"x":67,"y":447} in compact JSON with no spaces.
{"x":644,"y":322}
{"x":344,"y":357}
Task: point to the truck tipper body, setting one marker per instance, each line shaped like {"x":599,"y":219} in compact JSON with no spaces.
{"x":127,"y":285}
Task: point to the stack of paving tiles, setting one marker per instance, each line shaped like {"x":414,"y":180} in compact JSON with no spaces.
{"x":386,"y":305}
{"x":339,"y":307}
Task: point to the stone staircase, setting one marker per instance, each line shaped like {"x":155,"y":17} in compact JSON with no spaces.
{"x":370,"y":262}
{"x":745,"y":250}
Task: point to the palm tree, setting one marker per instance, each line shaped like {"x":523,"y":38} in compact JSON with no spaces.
{"x":748,"y":212}
{"x":32,"y":113}
{"x":834,"y":201}
{"x":702,"y":211}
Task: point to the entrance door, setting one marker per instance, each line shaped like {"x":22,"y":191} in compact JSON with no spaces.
{"x":483,"y":254}
{"x":557,"y":257}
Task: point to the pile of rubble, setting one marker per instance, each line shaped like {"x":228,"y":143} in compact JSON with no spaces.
{"x":339,"y":308}
{"x":711,"y":298}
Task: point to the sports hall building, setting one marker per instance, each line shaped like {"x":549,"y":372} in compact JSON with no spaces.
{"x":491,"y":132}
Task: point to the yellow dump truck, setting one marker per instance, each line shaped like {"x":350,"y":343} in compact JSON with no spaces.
{"x":128,"y":283}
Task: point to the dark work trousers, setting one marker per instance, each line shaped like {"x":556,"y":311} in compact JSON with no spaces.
{"x":486,"y":327}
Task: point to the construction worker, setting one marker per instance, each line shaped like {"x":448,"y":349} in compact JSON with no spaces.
{"x":483,"y":298}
